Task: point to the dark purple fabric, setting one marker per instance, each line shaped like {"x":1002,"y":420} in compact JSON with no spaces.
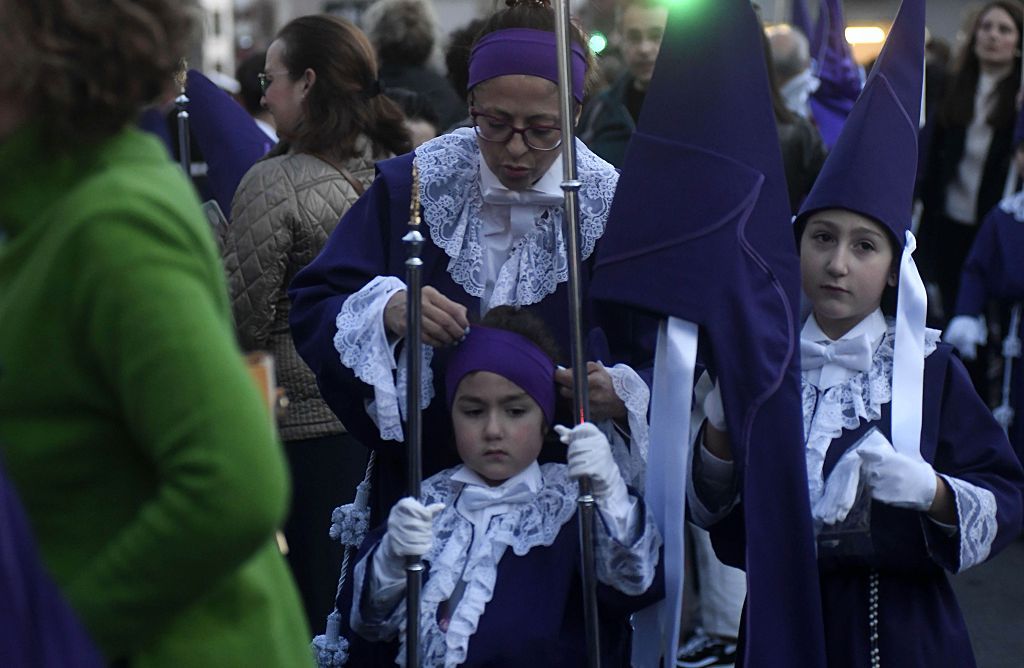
{"x":960,"y":438}
{"x":154,"y":121}
{"x":227,"y":136}
{"x":507,"y":354}
{"x":872,"y":168}
{"x":535,"y":618}
{"x":714,"y":246}
{"x":800,"y":19}
{"x":994,"y":271}
{"x":524,"y":51}
{"x":839,"y":75}
{"x":37,"y":627}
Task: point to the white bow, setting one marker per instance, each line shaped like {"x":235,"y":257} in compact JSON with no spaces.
{"x":499,"y":195}
{"x":854,"y":354}
{"x":478,"y":497}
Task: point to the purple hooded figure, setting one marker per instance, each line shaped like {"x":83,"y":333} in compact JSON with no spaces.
{"x":713,"y":247}
{"x":227,"y":135}
{"x":839,"y":74}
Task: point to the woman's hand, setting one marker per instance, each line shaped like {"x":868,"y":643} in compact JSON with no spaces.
{"x":604,"y":403}
{"x":444,"y":321}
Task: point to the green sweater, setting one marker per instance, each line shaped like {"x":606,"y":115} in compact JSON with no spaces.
{"x":138,"y":443}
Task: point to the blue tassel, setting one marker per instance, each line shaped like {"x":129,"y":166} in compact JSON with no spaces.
{"x":331,"y":649}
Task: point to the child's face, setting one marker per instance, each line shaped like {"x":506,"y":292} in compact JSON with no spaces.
{"x":845,"y":264}
{"x":499,"y":428}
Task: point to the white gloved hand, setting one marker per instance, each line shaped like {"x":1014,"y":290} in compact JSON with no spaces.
{"x":964,"y":333}
{"x":590,"y":455}
{"x":896,"y":479}
{"x":410,"y":528}
{"x":714,"y":410}
{"x":840,"y":489}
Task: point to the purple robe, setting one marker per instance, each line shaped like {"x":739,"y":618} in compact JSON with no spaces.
{"x":535,"y":618}
{"x":37,"y":626}
{"x":993,"y":271}
{"x":920,"y":623}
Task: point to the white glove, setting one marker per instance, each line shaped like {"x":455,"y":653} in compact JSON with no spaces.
{"x":590,"y":455}
{"x":410,"y":529}
{"x":714,"y":410}
{"x":896,"y":479}
{"x":964,"y":333}
{"x":840,"y":490}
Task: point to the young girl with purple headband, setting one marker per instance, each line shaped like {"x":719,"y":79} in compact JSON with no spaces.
{"x":499,"y":532}
{"x":492,"y":213}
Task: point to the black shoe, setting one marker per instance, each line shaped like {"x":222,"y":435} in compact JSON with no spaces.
{"x":702,"y":651}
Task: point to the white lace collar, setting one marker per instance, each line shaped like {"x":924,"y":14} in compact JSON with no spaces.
{"x":450,"y":194}
{"x":524,"y":527}
{"x":1014,"y":205}
{"x":845,"y":405}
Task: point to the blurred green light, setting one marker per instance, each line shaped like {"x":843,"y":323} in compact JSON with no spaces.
{"x":598,"y":42}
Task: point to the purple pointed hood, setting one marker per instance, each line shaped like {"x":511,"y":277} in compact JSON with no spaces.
{"x":227,"y":135}
{"x":700,"y":230}
{"x":801,"y":19}
{"x":840,"y":78}
{"x":871,"y":170}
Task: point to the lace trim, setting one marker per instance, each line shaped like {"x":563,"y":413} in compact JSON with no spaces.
{"x":1014,"y":205}
{"x":628,"y":568}
{"x":631,"y":458}
{"x":843,"y":406}
{"x":524,"y":527}
{"x":363,"y":346}
{"x":976,"y":515}
{"x":449,"y":168}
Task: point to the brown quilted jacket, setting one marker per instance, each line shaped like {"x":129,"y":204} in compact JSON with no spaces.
{"x":281,"y":215}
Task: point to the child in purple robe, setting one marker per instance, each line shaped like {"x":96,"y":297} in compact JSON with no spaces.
{"x":993,"y":272}
{"x":499,"y":533}
{"x":909,"y":475}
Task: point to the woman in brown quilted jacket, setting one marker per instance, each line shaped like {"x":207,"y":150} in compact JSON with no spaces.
{"x":320,"y":83}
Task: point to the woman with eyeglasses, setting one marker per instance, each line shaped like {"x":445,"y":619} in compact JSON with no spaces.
{"x":139,"y":443}
{"x":320,"y":84}
{"x":492,"y":209}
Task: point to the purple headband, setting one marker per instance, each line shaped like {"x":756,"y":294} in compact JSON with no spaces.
{"x":523,"y":51}
{"x":507,"y":354}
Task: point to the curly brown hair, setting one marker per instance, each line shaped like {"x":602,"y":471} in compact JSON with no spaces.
{"x":344,"y":102}
{"x":83,"y":69}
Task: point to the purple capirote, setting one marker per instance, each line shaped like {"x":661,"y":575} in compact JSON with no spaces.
{"x":509,"y":355}
{"x":523,"y":51}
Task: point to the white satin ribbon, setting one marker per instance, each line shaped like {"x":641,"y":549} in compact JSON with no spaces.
{"x":908,"y":355}
{"x":656,"y":628}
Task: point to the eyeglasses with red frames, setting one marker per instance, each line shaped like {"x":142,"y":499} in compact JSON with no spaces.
{"x":494,"y":129}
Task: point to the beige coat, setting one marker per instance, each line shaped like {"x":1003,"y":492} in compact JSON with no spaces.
{"x":283,"y":211}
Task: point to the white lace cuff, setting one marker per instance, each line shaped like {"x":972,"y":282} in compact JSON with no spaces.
{"x":634,"y":393}
{"x":976,"y":518}
{"x":628,"y":566}
{"x":384,"y":612}
{"x":363,"y":345}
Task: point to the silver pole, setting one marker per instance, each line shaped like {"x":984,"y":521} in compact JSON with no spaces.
{"x":413,"y":241}
{"x":184,"y":143}
{"x":581,"y":404}
{"x":1004,"y":414}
